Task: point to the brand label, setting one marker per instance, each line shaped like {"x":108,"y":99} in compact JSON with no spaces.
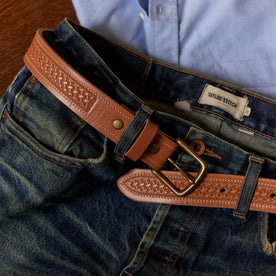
{"x":232,"y":104}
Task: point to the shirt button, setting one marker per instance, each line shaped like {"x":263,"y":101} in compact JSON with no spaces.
{"x":142,"y":16}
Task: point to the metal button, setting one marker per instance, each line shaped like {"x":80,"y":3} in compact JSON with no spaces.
{"x":198,"y":147}
{"x":118,"y":124}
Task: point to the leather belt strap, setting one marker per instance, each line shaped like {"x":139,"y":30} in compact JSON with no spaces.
{"x":216,"y":190}
{"x":101,"y":111}
{"x":93,"y":105}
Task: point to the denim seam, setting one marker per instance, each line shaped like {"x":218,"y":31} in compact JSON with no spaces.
{"x":3,"y":111}
{"x":179,"y":241}
{"x":217,"y":123}
{"x":142,"y":57}
{"x":148,"y":92}
{"x":73,"y":137}
{"x":48,"y":158}
{"x":40,"y":153}
{"x":215,"y":138}
{"x":209,"y":111}
{"x":127,"y":273}
{"x":212,"y":112}
{"x":216,"y":81}
{"x":110,"y":73}
{"x":19,"y":94}
{"x":252,"y":186}
{"x":146,"y":110}
{"x":187,"y":240}
{"x":145,"y":71}
{"x":243,"y":188}
{"x":148,"y":238}
{"x":2,"y":119}
{"x":24,"y":98}
{"x":17,"y":77}
{"x":210,"y":121}
{"x":66,"y":134}
{"x":155,"y":233}
{"x":129,"y":52}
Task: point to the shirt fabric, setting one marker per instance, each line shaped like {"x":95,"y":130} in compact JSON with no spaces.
{"x":230,"y":40}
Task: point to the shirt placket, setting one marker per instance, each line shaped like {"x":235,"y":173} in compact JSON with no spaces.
{"x":163,"y":36}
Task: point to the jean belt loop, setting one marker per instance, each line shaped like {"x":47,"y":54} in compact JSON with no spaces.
{"x":131,"y":132}
{"x":248,"y":186}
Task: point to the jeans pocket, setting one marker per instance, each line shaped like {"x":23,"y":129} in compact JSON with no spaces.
{"x":49,"y":122}
{"x":45,"y":149}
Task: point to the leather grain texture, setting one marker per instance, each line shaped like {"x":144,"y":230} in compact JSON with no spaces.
{"x":216,"y":190}
{"x":90,"y":103}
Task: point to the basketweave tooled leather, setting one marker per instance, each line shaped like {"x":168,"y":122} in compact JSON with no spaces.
{"x":91,"y":104}
{"x":216,"y":190}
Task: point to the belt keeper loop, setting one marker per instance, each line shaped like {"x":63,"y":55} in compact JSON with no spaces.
{"x":248,"y":187}
{"x":131,"y":132}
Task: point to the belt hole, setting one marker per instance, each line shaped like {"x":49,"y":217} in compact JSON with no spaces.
{"x":273,"y":195}
{"x":222,"y":190}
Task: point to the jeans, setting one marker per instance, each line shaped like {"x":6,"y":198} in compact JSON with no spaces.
{"x":61,"y":212}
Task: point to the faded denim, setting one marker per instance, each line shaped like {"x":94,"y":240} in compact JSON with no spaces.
{"x":60,"y":210}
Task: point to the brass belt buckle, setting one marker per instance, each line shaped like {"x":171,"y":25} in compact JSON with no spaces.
{"x":194,"y":181}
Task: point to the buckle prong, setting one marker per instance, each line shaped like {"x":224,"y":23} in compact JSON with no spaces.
{"x":193,"y":181}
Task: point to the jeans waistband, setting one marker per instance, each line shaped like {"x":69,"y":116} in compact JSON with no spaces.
{"x":181,"y":99}
{"x":129,"y":71}
{"x":212,"y":120}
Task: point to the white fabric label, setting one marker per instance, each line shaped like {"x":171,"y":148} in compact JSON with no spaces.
{"x":234,"y":105}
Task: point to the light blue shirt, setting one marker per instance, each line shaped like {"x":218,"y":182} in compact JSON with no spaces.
{"x":231,"y":40}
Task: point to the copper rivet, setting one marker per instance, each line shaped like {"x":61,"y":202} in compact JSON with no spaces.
{"x":33,"y":79}
{"x":118,"y":124}
{"x":154,"y":148}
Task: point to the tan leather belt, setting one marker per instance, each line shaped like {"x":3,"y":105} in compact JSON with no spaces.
{"x":92,"y":105}
{"x":216,"y":190}
{"x":151,"y":146}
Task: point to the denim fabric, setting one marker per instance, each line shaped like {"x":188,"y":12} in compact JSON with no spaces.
{"x":61,"y":212}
